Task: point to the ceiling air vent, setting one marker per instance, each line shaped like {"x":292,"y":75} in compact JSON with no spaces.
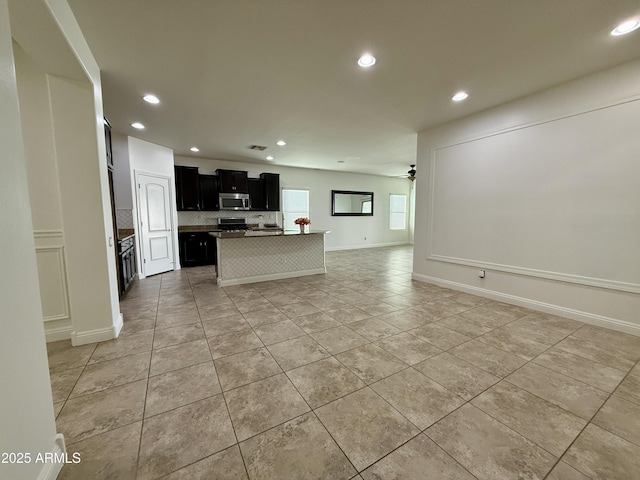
{"x":257,"y":147}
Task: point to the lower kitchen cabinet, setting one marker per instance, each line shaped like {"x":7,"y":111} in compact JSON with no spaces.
{"x":196,"y":248}
{"x":127,"y":261}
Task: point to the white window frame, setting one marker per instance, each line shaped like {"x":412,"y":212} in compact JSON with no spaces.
{"x":289,"y":216}
{"x":391,"y":212}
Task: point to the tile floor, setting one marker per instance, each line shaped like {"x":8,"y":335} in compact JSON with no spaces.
{"x":360,"y":373}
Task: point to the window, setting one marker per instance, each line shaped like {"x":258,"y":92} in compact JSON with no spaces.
{"x":295,"y":204}
{"x":397,"y":212}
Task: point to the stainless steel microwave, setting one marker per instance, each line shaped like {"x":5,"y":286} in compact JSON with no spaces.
{"x":234,"y":201}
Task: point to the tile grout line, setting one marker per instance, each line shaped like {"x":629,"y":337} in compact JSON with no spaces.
{"x":146,"y":392}
{"x":195,"y":401}
{"x":312,"y":411}
{"x":590,"y":422}
{"x":405,"y":283}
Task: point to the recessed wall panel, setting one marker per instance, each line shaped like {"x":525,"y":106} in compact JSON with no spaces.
{"x":52,"y":276}
{"x":545,"y":198}
{"x":159,"y":248}
{"x":156,"y":213}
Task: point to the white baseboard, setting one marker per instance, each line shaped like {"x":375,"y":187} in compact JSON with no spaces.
{"x":272,"y":276}
{"x":51,"y":470}
{"x":97,"y":335}
{"x":586,"y":317}
{"x":118,"y":325}
{"x":366,"y":245}
{"x":66,"y":332}
{"x":54,"y":334}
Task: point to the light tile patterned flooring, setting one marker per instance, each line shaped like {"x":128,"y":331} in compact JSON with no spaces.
{"x":360,"y":373}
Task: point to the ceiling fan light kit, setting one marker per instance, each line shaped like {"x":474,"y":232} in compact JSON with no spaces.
{"x":412,"y":173}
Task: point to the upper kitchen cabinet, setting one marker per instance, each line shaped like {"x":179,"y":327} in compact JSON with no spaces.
{"x":257,"y":194}
{"x":187,"y":188}
{"x":233,"y":181}
{"x":271,"y":191}
{"x":107,"y":141}
{"x":209,"y":199}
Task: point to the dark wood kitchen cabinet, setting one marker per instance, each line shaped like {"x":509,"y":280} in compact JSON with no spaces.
{"x":209,"y":199}
{"x":107,"y":142}
{"x":126,"y":263}
{"x":271,"y":191}
{"x":196,"y":248}
{"x":187,"y":188}
{"x":233,"y":181}
{"x":257,"y":194}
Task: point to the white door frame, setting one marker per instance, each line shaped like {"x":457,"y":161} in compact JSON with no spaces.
{"x":137,"y":228}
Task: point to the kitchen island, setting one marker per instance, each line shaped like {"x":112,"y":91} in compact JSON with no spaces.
{"x":259,"y":256}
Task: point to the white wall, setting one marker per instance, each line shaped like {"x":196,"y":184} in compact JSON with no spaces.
{"x":411,"y":207}
{"x":346,"y":232}
{"x":91,"y":164}
{"x":26,"y":406}
{"x":46,"y":206}
{"x":543,"y":194}
{"x":61,"y":118}
{"x":145,"y":157}
{"x":84,"y":229}
{"x":35,"y":115}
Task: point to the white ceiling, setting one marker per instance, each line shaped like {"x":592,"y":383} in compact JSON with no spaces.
{"x":231,"y":73}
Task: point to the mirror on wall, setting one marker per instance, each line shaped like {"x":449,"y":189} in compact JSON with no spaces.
{"x":350,"y":203}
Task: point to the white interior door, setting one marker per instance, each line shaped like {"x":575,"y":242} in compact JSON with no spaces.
{"x":154,"y":215}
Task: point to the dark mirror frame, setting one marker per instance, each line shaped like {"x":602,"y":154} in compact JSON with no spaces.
{"x":349,"y":214}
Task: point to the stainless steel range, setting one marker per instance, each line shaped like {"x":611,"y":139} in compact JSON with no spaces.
{"x":233,"y":224}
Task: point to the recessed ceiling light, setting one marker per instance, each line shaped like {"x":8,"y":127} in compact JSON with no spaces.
{"x":269,"y":157}
{"x":627,"y":26}
{"x":281,"y":143}
{"x":367,"y":60}
{"x":458,"y":97}
{"x":137,"y":125}
{"x":151,"y":98}
{"x":194,"y":149}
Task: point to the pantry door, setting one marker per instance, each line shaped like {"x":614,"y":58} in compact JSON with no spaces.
{"x":154,"y":222}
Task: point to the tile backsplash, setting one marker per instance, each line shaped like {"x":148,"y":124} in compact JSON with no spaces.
{"x":124,"y":218}
{"x":211,"y":218}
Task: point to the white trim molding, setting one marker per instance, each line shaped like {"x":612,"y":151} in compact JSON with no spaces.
{"x":586,"y":317}
{"x":61,"y":274}
{"x":51,"y":470}
{"x":55,"y":331}
{"x":54,"y":286}
{"x":436,"y":220}
{"x":97,"y":335}
{"x":532,"y":272}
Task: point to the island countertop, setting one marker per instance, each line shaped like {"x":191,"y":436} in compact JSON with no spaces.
{"x":265,"y":233}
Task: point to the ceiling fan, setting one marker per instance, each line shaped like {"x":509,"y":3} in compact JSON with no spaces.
{"x":412,"y":173}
